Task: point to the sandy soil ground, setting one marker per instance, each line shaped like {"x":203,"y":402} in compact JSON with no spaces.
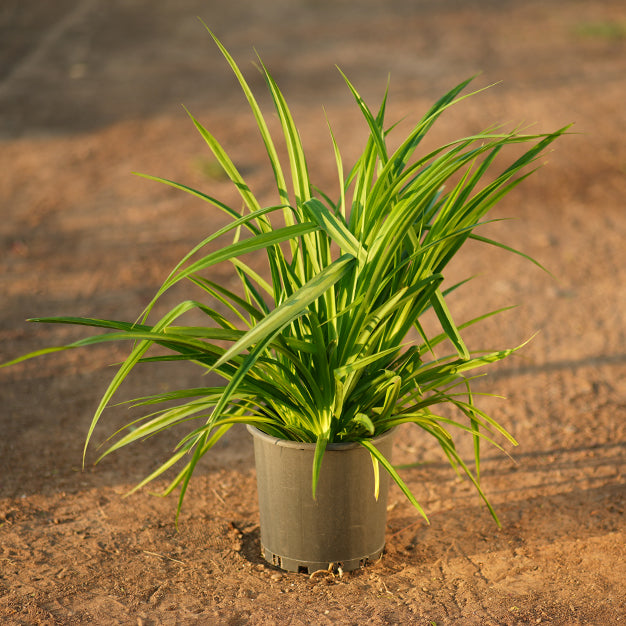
{"x":90,"y":91}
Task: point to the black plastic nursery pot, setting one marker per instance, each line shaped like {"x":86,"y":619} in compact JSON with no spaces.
{"x":343,"y":527}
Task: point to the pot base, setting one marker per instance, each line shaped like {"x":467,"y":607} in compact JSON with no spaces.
{"x":309,"y":567}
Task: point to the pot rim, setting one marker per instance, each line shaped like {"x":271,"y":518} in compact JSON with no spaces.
{"x":300,"y":445}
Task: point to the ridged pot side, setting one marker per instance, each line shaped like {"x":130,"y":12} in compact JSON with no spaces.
{"x":343,"y":527}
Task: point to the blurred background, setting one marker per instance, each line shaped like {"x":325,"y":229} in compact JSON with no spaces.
{"x":91,"y":90}
{"x":78,"y":65}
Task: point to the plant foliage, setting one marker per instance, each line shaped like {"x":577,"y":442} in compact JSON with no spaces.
{"x":319,"y":353}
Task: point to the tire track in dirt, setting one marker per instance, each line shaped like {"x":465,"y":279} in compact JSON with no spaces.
{"x":33,"y":61}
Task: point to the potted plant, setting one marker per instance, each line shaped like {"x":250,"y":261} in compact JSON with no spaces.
{"x":314,"y":356}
